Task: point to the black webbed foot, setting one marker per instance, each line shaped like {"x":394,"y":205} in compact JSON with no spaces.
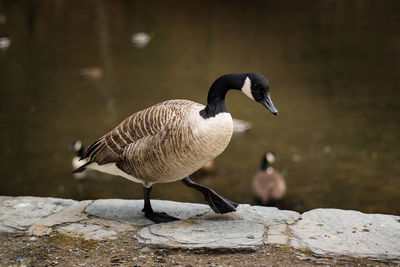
{"x":218,"y":203}
{"x":160,"y":217}
{"x":157,"y":217}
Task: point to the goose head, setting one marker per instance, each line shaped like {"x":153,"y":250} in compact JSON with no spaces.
{"x":253,"y":85}
{"x":256,"y":87}
{"x":268,"y":158}
{"x":77,"y":147}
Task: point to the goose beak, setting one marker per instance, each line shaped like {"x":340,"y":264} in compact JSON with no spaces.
{"x":269,"y":105}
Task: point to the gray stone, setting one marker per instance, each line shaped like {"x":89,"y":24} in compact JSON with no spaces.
{"x":243,"y":229}
{"x":346,"y":232}
{"x":267,"y":215}
{"x":88,"y":232}
{"x":130,"y":211}
{"x":198,"y":234}
{"x":70,"y":214}
{"x":278,"y":234}
{"x":109,"y":224}
{"x":276,"y":221}
{"x":325,"y":232}
{"x":19,"y":213}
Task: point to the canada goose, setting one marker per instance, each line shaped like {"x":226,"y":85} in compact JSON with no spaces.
{"x":78,"y":148}
{"x":170,"y":140}
{"x":268,"y":185}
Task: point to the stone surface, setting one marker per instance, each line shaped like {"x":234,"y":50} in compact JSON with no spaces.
{"x":109,"y":224}
{"x":347,"y":232}
{"x":130,"y":211}
{"x":324,"y":232}
{"x":267,"y":215}
{"x":197,"y":234}
{"x":19,"y":213}
{"x":278,"y":234}
{"x":243,"y":229}
{"x":87,"y":231}
{"x":73,"y":213}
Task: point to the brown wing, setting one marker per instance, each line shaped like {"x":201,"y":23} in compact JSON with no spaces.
{"x":147,"y":122}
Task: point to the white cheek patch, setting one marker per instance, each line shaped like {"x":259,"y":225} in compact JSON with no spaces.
{"x":77,"y":145}
{"x":246,"y":89}
{"x":270,"y":157}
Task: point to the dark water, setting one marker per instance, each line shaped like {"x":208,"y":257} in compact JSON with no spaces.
{"x":334,"y":69}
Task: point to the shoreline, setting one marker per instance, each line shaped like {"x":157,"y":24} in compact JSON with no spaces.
{"x":254,"y":233}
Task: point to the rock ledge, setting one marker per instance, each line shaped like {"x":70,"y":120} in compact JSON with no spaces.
{"x":324,"y":232}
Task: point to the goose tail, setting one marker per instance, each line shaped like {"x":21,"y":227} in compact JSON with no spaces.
{"x":81,"y":168}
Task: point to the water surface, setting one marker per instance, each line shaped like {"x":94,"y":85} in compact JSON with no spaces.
{"x":333,"y":68}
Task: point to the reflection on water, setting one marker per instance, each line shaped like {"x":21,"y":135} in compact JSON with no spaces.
{"x":333,"y":68}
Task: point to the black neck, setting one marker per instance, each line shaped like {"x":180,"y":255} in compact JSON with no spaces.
{"x":264,"y":163}
{"x":80,"y":152}
{"x":217,"y":92}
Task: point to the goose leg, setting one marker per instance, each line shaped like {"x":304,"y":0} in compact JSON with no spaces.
{"x":218,"y":203}
{"x":157,"y":217}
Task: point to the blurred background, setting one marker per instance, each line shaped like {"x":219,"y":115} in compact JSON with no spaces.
{"x":74,"y":69}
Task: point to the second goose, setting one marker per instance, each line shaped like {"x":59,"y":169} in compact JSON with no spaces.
{"x":268,"y":184}
{"x":171,"y":140}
